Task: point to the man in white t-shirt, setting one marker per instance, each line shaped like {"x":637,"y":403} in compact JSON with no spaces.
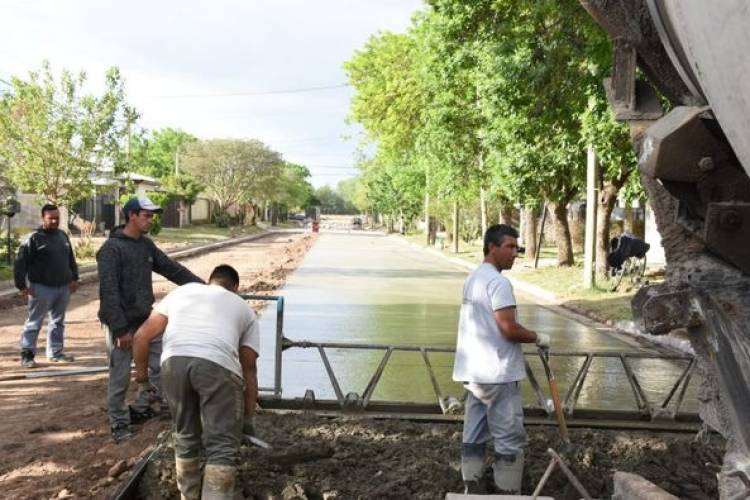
{"x":208,"y":376}
{"x":489,"y":361}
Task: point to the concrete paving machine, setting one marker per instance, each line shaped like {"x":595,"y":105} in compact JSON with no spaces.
{"x":694,"y":161}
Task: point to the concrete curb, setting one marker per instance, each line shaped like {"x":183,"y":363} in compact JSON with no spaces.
{"x":10,"y":297}
{"x":627,"y":327}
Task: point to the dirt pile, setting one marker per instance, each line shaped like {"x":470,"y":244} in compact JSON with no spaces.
{"x":352,"y":458}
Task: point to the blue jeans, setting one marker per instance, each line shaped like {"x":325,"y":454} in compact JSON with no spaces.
{"x":47,"y":299}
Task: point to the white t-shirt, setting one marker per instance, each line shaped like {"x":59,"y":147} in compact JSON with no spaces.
{"x":483,"y":355}
{"x":208,"y":322}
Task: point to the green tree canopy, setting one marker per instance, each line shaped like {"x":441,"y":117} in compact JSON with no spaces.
{"x":54,"y":138}
{"x":234,"y":171}
{"x":158,"y":154}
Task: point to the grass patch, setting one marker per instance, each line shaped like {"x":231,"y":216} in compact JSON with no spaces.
{"x":567,"y":284}
{"x":6,"y":273}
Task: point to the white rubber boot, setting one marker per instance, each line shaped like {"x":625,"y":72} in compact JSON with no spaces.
{"x":188,"y":471}
{"x":472,"y":468}
{"x":508,"y":474}
{"x":218,"y":482}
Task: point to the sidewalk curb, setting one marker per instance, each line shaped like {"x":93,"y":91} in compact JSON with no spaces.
{"x":10,"y":297}
{"x":626,"y":327}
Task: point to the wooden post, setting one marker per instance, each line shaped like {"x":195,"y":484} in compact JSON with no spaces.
{"x":589,"y":245}
{"x":541,"y":235}
{"x":456,"y":222}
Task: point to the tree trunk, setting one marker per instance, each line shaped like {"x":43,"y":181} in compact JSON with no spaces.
{"x":605,"y":204}
{"x":559,"y":213}
{"x":456,"y":221}
{"x":628,"y":224}
{"x":530,"y":221}
{"x":274,"y":214}
{"x":427,"y":222}
{"x":505,"y":216}
{"x":483,"y":210}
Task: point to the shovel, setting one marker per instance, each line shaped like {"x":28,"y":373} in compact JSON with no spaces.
{"x":567,"y":446}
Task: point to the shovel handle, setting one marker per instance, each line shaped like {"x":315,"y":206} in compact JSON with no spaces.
{"x":555,"y":396}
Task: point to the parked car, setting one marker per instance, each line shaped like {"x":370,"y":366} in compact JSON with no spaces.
{"x":300,"y":217}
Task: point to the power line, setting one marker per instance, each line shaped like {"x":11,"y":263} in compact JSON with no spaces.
{"x":332,"y":166}
{"x":251,"y":93}
{"x":311,"y":139}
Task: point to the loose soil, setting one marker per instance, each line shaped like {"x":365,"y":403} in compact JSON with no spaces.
{"x":54,"y":434}
{"x":359,"y":458}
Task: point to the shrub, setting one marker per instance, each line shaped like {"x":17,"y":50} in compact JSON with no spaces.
{"x":84,"y":247}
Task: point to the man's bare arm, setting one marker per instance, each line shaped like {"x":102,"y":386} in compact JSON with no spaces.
{"x":248,"y":360}
{"x":511,"y":329}
{"x":149,"y":330}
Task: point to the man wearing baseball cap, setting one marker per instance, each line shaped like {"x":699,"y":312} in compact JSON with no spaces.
{"x":125,"y":263}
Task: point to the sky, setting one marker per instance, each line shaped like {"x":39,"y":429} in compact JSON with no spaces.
{"x":269,"y":70}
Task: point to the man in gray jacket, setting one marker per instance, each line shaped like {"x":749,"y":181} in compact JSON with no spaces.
{"x":125,"y":263}
{"x":46,"y":272}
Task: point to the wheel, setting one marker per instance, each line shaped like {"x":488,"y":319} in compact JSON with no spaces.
{"x":613,"y":278}
{"x":637,"y":269}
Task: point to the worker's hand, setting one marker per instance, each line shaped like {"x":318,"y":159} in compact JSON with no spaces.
{"x":542,"y":340}
{"x":125,"y":341}
{"x":27,"y":292}
{"x":73,"y":286}
{"x":248,"y":426}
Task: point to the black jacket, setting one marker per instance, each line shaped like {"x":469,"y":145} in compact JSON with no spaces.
{"x":126,"y":292}
{"x":47,"y":258}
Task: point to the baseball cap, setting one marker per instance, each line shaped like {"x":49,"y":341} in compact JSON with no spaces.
{"x":138,"y":203}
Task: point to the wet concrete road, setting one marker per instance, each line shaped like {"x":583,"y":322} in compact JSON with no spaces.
{"x":367,"y":288}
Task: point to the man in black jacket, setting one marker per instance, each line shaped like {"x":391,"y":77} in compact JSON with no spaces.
{"x":125,"y":263}
{"x":46,"y":272}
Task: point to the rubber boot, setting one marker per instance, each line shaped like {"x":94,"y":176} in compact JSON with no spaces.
{"x":472,"y":468}
{"x":188,"y":471}
{"x":508,"y":473}
{"x":218,"y":482}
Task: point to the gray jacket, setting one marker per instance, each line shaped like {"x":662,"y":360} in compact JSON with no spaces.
{"x":126,"y":292}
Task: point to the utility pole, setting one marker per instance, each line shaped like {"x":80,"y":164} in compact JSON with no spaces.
{"x":589,"y":245}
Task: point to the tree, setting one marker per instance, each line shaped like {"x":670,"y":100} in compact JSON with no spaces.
{"x":295,"y":188}
{"x":389,"y":102}
{"x":159,"y":153}
{"x":234,"y":171}
{"x":54,"y":139}
{"x":331,"y":201}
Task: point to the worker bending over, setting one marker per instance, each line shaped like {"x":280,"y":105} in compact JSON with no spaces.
{"x":489,"y":361}
{"x":211,"y":343}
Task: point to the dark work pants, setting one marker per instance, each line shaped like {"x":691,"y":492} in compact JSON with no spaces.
{"x":207,"y":405}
